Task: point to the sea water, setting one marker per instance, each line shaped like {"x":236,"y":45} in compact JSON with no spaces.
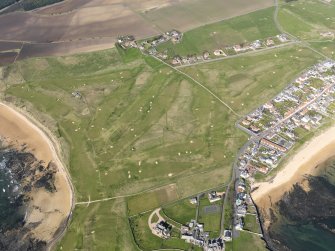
{"x":11,"y":210}
{"x":306,"y":219}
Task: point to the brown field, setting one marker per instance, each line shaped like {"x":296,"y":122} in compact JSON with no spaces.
{"x":189,"y":14}
{"x":7,"y":58}
{"x":103,"y":21}
{"x":76,"y":22}
{"x":65,"y":48}
{"x":7,"y":46}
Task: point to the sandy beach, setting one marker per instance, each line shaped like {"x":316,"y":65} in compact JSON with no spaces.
{"x":305,"y":161}
{"x":50,"y":209}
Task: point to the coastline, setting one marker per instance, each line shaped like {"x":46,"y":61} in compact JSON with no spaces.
{"x":304,"y":162}
{"x":50,"y":210}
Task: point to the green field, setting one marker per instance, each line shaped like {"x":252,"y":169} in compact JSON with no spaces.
{"x":247,"y":241}
{"x":251,"y":223}
{"x":182,"y":211}
{"x":100,"y":226}
{"x":185,"y":140}
{"x":145,"y":133}
{"x":211,"y":220}
{"x":307,"y":18}
{"x":147,"y":241}
{"x":190,"y":135}
{"x":246,"y":28}
{"x":239,"y":80}
{"x":325,"y":47}
{"x":139,"y":130}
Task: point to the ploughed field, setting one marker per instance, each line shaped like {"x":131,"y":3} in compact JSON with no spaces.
{"x":76,"y":26}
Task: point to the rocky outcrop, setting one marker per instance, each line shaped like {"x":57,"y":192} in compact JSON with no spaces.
{"x":27,"y":174}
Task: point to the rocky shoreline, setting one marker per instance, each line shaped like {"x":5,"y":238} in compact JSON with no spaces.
{"x":46,"y":197}
{"x":28,"y":174}
{"x":308,"y":206}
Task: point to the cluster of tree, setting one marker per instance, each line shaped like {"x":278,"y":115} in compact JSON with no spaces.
{"x":28,"y":4}
{"x":5,"y":3}
{"x":34,"y":4}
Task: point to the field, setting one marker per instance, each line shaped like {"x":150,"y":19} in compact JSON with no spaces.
{"x":246,"y":28}
{"x":188,"y":14}
{"x":137,"y":133}
{"x":147,"y":241}
{"x":82,"y":26}
{"x":7,"y":58}
{"x":307,"y":18}
{"x":65,"y":48}
{"x":100,"y":226}
{"x":210,"y":216}
{"x":326,"y":47}
{"x":246,"y":241}
{"x":140,"y":130}
{"x":182,"y":211}
{"x":240,"y":79}
{"x":137,"y":130}
{"x":251,"y":223}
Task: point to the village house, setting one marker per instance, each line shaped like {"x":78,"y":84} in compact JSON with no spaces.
{"x":244,"y":174}
{"x":163,"y":229}
{"x":214,"y":245}
{"x":270,"y":42}
{"x":175,"y":36}
{"x":263,"y":169}
{"x":127,"y":42}
{"x":256,"y":44}
{"x":227,"y":235}
{"x":76,"y":94}
{"x":176,"y":60}
{"x":194,"y":233}
{"x":240,"y":48}
{"x":219,"y":53}
{"x":239,"y":224}
{"x":206,"y":55}
{"x":282,"y":38}
{"x":241,"y":210}
{"x":194,"y":200}
{"x":271,"y":144}
{"x":327,"y":34}
{"x":214,"y":196}
{"x":246,"y":122}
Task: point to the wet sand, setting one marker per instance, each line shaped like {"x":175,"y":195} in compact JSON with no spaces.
{"x":51,"y":209}
{"x":304,"y":162}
